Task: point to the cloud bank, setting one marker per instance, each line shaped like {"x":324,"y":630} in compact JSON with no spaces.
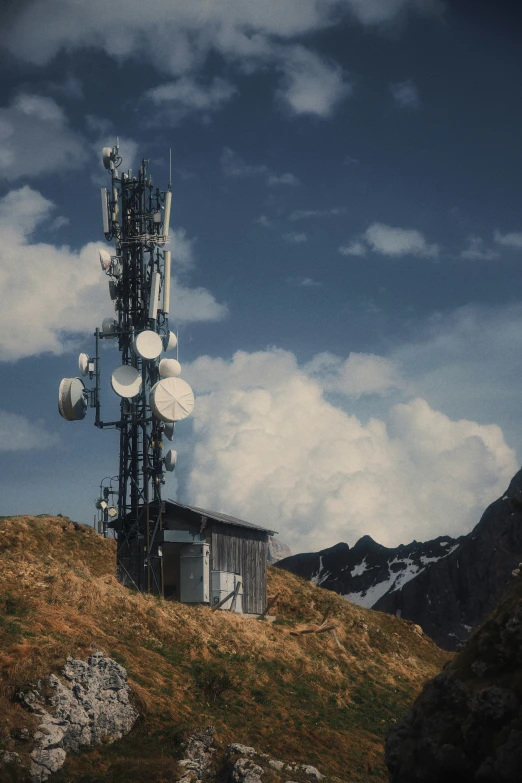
{"x":35,"y":138}
{"x":177,"y":38}
{"x":271,"y":446}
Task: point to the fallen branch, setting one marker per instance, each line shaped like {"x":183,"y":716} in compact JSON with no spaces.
{"x":325,"y":628}
{"x":317,"y":629}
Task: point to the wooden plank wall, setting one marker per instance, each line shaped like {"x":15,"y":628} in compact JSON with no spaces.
{"x":244,"y":551}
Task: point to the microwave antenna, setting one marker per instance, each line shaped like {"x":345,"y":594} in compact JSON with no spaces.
{"x":153,"y":396}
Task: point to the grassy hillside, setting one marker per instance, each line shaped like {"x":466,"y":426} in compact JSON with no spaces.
{"x":301,"y":698}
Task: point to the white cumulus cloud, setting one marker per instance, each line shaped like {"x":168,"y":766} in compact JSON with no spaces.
{"x":271,"y":448}
{"x":177,"y":38}
{"x":57,"y":293}
{"x":511,"y":239}
{"x":477,"y":251}
{"x":186,"y":95}
{"x":312,"y":85}
{"x":355,"y":248}
{"x":391,"y":241}
{"x":35,"y":138}
{"x":17,"y":433}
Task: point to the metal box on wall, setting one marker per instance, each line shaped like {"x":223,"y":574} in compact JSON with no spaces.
{"x":222,"y":584}
{"x":195,"y":574}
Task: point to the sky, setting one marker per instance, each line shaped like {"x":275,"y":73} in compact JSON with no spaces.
{"x":346,"y":235}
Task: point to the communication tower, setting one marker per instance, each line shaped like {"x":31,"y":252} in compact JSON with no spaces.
{"x":153,"y":397}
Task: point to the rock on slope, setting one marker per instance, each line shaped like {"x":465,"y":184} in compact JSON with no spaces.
{"x":447,"y":586}
{"x":467,"y":723}
{"x":92,"y":707}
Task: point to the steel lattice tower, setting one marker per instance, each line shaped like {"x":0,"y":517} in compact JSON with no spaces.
{"x":136,"y":217}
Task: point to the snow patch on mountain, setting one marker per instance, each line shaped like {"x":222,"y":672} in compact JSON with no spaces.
{"x":360,"y":568}
{"x":368,"y":597}
{"x":321,"y":575}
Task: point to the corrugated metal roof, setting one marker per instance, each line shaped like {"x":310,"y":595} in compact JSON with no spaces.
{"x":219,"y":517}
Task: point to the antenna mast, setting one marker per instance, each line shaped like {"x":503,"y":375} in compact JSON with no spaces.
{"x":153,"y":396}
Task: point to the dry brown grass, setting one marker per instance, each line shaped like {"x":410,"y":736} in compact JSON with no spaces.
{"x":297,"y":697}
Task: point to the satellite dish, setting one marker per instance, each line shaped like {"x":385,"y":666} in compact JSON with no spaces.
{"x":112,"y":512}
{"x":172,"y":341}
{"x":107,"y":157}
{"x":169,"y":430}
{"x":105,"y":259}
{"x":83,"y":363}
{"x":170,"y":460}
{"x":169,"y":368}
{"x":171,"y":399}
{"x":72,"y":404}
{"x":126,"y":381}
{"x":109,"y":327}
{"x":148,"y":344}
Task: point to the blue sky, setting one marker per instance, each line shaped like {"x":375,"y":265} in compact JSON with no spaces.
{"x":347,"y":237}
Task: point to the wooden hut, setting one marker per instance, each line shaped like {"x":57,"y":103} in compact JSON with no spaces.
{"x":207,"y":555}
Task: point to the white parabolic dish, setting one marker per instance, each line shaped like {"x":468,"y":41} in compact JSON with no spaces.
{"x":170,"y":459}
{"x":126,"y":381}
{"x":171,"y":399}
{"x":148,"y":344}
{"x":172,"y":341}
{"x":71,"y":402}
{"x":83,"y":363}
{"x":169,"y":368}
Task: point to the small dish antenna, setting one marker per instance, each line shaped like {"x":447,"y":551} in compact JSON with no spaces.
{"x":112,"y":512}
{"x":72,"y":404}
{"x":170,"y":460}
{"x":168,"y":430}
{"x":109,"y":327}
{"x":172,"y":341}
{"x":83,"y":364}
{"x":105,"y":259}
{"x":169,"y":368}
{"x":148,"y":345}
{"x":171,"y":399}
{"x":126,"y":381}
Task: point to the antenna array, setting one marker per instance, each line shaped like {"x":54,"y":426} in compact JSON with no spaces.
{"x":152,"y":395}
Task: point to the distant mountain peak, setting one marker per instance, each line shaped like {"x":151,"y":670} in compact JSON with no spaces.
{"x":446,"y":585}
{"x":366,"y":542}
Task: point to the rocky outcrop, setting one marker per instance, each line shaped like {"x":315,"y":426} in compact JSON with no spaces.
{"x":238,"y":764}
{"x":276,"y":550}
{"x":447,"y":586}
{"x":90,"y":706}
{"x":467,"y":723}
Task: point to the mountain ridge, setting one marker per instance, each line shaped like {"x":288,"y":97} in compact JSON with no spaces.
{"x":446,"y":585}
